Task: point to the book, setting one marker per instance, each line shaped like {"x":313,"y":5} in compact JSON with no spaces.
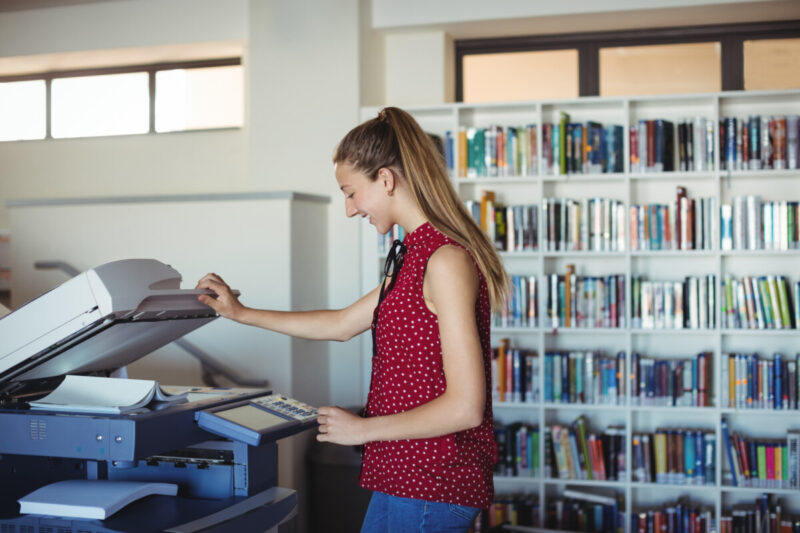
{"x":91,"y":394}
{"x":89,"y":498}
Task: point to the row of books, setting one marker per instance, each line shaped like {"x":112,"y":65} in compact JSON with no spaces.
{"x":589,"y":377}
{"x":760,"y":302}
{"x":578,"y":510}
{"x":575,"y":301}
{"x":682,"y":516}
{"x":765,"y":515}
{"x":589,"y":224}
{"x":517,"y":450}
{"x":674,"y":457}
{"x":687,"y":304}
{"x":652,"y":145}
{"x":752,"y":382}
{"x":515,"y":374}
{"x":572,"y":452}
{"x":752,"y":224}
{"x":509,"y":509}
{"x":597,"y":224}
{"x":685,"y":224}
{"x":762,"y":463}
{"x":522,"y":307}
{"x":512,"y":228}
{"x":581,"y":148}
{"x":671,"y":382}
{"x":752,"y":143}
{"x":760,"y":142}
{"x":493,"y":151}
{"x":584,"y":378}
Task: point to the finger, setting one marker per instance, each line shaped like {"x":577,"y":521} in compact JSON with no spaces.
{"x":208,"y":300}
{"x":207,"y":277}
{"x":321,"y":437}
{"x":324,"y":411}
{"x":211,"y":277}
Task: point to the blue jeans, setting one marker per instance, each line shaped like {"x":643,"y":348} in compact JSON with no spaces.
{"x":393,"y":514}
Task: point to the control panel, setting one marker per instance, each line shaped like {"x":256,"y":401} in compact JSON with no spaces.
{"x":258,"y":420}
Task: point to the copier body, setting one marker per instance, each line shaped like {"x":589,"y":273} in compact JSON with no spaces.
{"x":103,"y":319}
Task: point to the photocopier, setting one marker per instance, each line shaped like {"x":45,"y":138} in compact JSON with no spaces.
{"x":218,"y":446}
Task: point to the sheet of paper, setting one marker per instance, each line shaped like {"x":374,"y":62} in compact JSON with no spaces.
{"x":105,"y":394}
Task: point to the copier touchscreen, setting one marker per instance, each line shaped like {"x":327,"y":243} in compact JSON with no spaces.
{"x":252,"y":417}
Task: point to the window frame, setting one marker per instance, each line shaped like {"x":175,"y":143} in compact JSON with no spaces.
{"x":730,"y":36}
{"x":151,"y":69}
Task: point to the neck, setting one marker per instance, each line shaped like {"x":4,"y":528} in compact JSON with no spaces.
{"x":412,"y":222}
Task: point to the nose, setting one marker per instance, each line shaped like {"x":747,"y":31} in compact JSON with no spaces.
{"x":350,"y":210}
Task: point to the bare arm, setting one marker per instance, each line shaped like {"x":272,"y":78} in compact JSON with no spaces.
{"x":451,"y":290}
{"x":335,"y":324}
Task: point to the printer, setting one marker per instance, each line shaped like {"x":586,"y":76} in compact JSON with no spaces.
{"x":218,"y":446}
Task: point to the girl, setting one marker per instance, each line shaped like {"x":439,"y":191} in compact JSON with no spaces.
{"x":427,"y":428}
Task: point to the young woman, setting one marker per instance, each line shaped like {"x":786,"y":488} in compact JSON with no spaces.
{"x":427,"y":429}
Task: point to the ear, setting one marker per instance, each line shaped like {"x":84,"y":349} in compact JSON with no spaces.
{"x":388,"y":180}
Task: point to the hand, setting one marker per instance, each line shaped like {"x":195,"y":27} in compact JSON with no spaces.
{"x":226,"y":304}
{"x":340,"y":426}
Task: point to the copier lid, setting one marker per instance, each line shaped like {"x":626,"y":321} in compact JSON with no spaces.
{"x":101,"y":319}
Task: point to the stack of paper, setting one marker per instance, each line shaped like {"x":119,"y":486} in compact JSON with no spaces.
{"x":89,"y":394}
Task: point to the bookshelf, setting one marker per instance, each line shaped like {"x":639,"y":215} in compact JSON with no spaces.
{"x":632,"y":187}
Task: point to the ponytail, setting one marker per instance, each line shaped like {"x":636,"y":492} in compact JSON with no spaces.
{"x":395,"y":140}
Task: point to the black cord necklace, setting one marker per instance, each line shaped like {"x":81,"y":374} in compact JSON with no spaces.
{"x":392,"y":266}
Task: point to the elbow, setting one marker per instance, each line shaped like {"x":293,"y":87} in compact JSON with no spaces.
{"x":344,"y":336}
{"x":474,"y":419}
{"x":470,"y":417}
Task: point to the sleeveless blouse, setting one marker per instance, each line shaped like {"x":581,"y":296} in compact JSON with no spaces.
{"x":407,"y":371}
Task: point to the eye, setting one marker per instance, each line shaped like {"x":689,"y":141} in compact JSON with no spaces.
{"x":351,"y":195}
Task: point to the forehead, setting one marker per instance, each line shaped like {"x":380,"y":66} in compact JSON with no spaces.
{"x":346,"y":175}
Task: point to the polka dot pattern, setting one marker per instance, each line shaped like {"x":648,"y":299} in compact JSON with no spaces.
{"x":408,"y":371}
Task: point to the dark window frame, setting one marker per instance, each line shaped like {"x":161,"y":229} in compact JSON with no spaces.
{"x":150,"y":68}
{"x":730,"y":36}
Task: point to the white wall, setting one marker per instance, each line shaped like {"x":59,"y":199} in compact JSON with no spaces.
{"x":121,"y":24}
{"x":303,"y":63}
{"x":372,"y":56}
{"x":478,"y":18}
{"x":417,"y":68}
{"x":302,"y":97}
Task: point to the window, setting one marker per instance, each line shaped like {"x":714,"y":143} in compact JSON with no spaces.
{"x":759,"y":55}
{"x":23,"y":110}
{"x":771,"y":64}
{"x":190,"y":99}
{"x":660,"y":69}
{"x":90,"y":106}
{"x":521,"y":76}
{"x":126,"y":100}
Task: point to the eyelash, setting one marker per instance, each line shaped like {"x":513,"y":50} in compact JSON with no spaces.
{"x":351,"y":195}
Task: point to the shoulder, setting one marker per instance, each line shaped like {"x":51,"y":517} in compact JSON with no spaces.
{"x":451,"y":263}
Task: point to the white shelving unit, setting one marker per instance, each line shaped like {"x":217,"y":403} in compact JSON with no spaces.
{"x":632,"y":188}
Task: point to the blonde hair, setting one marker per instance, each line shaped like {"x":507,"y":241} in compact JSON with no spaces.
{"x":395,"y":140}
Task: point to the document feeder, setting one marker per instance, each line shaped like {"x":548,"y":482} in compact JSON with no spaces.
{"x":96,"y":322}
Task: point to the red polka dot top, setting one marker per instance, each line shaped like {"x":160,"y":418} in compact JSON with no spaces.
{"x":407,"y":371}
